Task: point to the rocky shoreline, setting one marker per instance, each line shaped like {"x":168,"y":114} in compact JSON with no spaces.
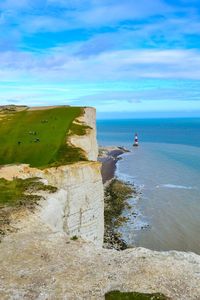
{"x":109,"y":156}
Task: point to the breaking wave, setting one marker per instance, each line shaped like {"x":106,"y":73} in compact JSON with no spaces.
{"x":174,"y":186}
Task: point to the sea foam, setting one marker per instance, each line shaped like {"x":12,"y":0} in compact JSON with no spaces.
{"x":174,"y":186}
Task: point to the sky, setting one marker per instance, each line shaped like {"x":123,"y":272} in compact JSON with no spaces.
{"x":127,"y":58}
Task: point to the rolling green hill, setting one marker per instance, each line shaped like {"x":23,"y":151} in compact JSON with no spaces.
{"x":38,"y":137}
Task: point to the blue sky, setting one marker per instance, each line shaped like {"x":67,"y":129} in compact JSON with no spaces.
{"x":126,"y":58}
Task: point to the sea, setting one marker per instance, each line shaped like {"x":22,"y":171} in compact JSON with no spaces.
{"x":165,"y":169}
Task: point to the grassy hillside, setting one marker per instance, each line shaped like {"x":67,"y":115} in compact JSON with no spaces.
{"x":38,"y":137}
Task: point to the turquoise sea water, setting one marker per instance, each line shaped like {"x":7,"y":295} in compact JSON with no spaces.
{"x":166,"y":169}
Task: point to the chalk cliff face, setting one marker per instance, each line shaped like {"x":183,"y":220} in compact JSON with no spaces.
{"x":87,"y":142}
{"x":77,"y":208}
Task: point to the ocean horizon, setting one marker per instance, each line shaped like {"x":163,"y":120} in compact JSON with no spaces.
{"x":165,"y":168}
{"x":184,"y":131}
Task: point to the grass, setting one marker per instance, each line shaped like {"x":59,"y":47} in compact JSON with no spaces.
{"x":21,"y":191}
{"x":74,"y":238}
{"x":116,"y":295}
{"x":16,"y":195}
{"x":39,"y":137}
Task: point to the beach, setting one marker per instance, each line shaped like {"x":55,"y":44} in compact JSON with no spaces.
{"x":109,"y":156}
{"x":116,"y":196}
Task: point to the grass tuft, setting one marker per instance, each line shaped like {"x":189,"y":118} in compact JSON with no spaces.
{"x":116,"y":295}
{"x":74,"y":238}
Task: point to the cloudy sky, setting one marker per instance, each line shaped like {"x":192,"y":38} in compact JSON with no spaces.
{"x":124,"y":57}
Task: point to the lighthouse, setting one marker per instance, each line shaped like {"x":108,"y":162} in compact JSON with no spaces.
{"x":136,"y":141}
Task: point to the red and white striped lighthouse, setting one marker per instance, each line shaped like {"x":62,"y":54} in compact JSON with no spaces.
{"x":136,"y":140}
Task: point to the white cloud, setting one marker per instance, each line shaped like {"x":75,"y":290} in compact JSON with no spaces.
{"x":51,"y":16}
{"x":60,"y":65}
{"x":105,"y":14}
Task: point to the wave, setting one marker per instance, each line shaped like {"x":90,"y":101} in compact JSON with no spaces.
{"x":130,"y":180}
{"x":174,"y":186}
{"x":124,"y":177}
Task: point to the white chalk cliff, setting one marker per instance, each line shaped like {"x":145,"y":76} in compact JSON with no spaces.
{"x":88,"y":141}
{"x":75,"y":208}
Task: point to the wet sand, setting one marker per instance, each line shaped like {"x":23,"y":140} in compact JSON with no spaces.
{"x":109,"y":157}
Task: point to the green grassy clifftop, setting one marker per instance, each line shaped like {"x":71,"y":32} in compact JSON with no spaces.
{"x":39,"y":137}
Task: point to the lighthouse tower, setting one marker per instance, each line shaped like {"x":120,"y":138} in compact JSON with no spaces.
{"x":136,"y":141}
